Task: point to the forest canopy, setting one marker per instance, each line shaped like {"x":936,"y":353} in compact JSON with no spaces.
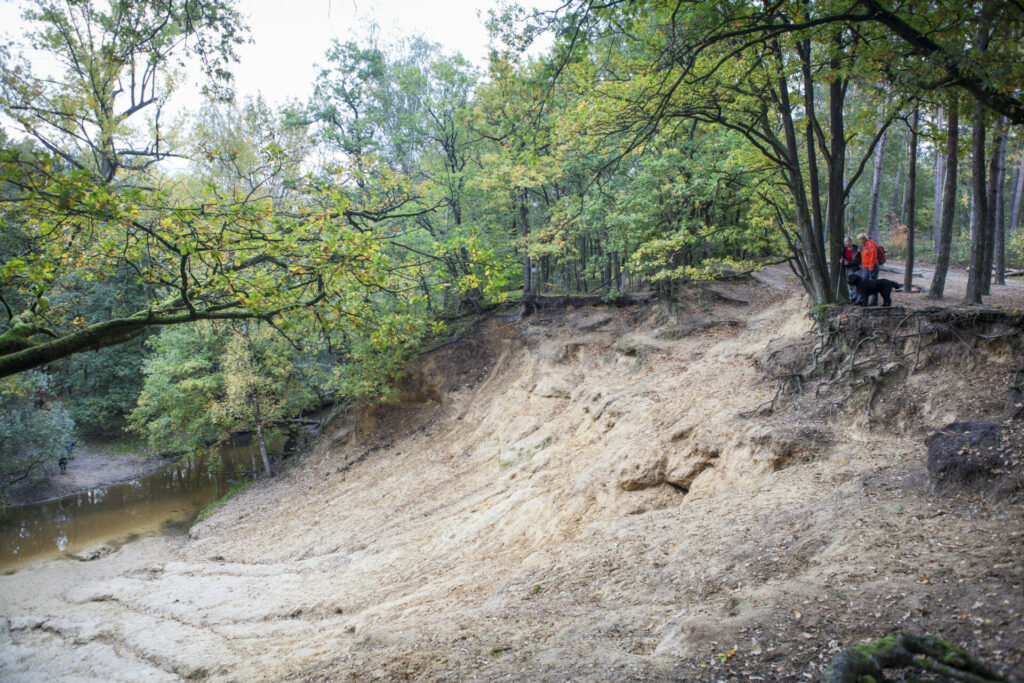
{"x":655,"y":143}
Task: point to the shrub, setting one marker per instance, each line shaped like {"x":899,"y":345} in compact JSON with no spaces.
{"x":1015,"y":249}
{"x":34,"y":430}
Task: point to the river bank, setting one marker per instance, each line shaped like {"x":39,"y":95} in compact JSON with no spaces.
{"x":600,"y":494}
{"x":92,"y":465}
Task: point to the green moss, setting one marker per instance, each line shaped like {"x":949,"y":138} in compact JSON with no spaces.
{"x":864,"y":662}
{"x":879,"y":646}
{"x":955,"y":656}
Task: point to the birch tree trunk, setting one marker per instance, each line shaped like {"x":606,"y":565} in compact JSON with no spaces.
{"x":876,"y":188}
{"x":905,"y":206}
{"x":897,"y":213}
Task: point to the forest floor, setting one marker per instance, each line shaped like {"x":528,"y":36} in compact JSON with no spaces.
{"x":591,"y":494}
{"x":92,"y":465}
{"x":1002,"y":296}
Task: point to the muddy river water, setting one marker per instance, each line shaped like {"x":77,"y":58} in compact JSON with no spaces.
{"x":165,"y":502}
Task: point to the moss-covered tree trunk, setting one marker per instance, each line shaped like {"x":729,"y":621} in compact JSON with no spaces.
{"x":902,"y":649}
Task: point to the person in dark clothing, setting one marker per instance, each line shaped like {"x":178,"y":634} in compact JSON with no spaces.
{"x":63,"y":463}
{"x":850,"y":260}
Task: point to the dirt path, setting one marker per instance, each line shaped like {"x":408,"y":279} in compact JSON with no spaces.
{"x":595,"y":497}
{"x":91,"y":466}
{"x":1004,"y":296}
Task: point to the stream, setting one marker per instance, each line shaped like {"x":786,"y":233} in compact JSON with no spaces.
{"x":163,"y":503}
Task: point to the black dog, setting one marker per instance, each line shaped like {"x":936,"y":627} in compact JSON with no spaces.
{"x":866,"y":288}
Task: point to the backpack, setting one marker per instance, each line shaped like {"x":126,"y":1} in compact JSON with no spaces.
{"x":881,"y":254}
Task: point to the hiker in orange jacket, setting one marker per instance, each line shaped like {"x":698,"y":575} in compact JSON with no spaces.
{"x":868,"y":263}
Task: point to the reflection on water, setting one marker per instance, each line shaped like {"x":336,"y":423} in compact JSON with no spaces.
{"x":164,"y":502}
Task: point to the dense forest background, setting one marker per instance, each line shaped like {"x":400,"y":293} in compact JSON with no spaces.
{"x":176,"y":279}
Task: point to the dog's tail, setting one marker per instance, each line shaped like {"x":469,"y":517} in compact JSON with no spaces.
{"x":896,"y":285}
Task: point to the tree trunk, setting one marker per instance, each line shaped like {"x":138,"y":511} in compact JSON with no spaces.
{"x":905,"y":204}
{"x":990,"y":207}
{"x":849,"y":214}
{"x":255,"y":464}
{"x":979,"y":210}
{"x":812,"y":157}
{"x":948,"y":200}
{"x":898,"y":183}
{"x":904,"y":650}
{"x":970,"y":215}
{"x":999,"y":235}
{"x":939,"y":178}
{"x":836,"y":205}
{"x":908,"y":203}
{"x":18,"y":352}
{"x":259,"y":436}
{"x":524,"y":226}
{"x":812,"y":243}
{"x":1018,"y":190}
{"x":876,"y":189}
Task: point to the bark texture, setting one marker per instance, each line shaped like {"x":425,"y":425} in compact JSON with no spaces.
{"x":909,"y":204}
{"x":948,"y":200}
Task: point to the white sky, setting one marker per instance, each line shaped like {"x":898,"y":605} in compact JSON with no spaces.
{"x":291,"y":36}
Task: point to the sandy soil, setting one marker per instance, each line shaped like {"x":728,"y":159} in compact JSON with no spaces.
{"x":1002,"y":296}
{"x":92,"y":465}
{"x":575,"y":496}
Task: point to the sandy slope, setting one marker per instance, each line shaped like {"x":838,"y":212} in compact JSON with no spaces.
{"x":574,"y":496}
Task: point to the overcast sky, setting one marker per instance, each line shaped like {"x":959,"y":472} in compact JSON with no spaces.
{"x":291,"y":36}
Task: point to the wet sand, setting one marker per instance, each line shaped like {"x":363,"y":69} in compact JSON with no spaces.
{"x":92,"y":465}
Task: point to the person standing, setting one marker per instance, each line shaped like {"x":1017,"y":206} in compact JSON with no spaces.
{"x":850,"y":261}
{"x":868,"y":263}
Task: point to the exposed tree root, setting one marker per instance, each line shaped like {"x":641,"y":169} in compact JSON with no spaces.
{"x":532,"y":304}
{"x":860,"y":347}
